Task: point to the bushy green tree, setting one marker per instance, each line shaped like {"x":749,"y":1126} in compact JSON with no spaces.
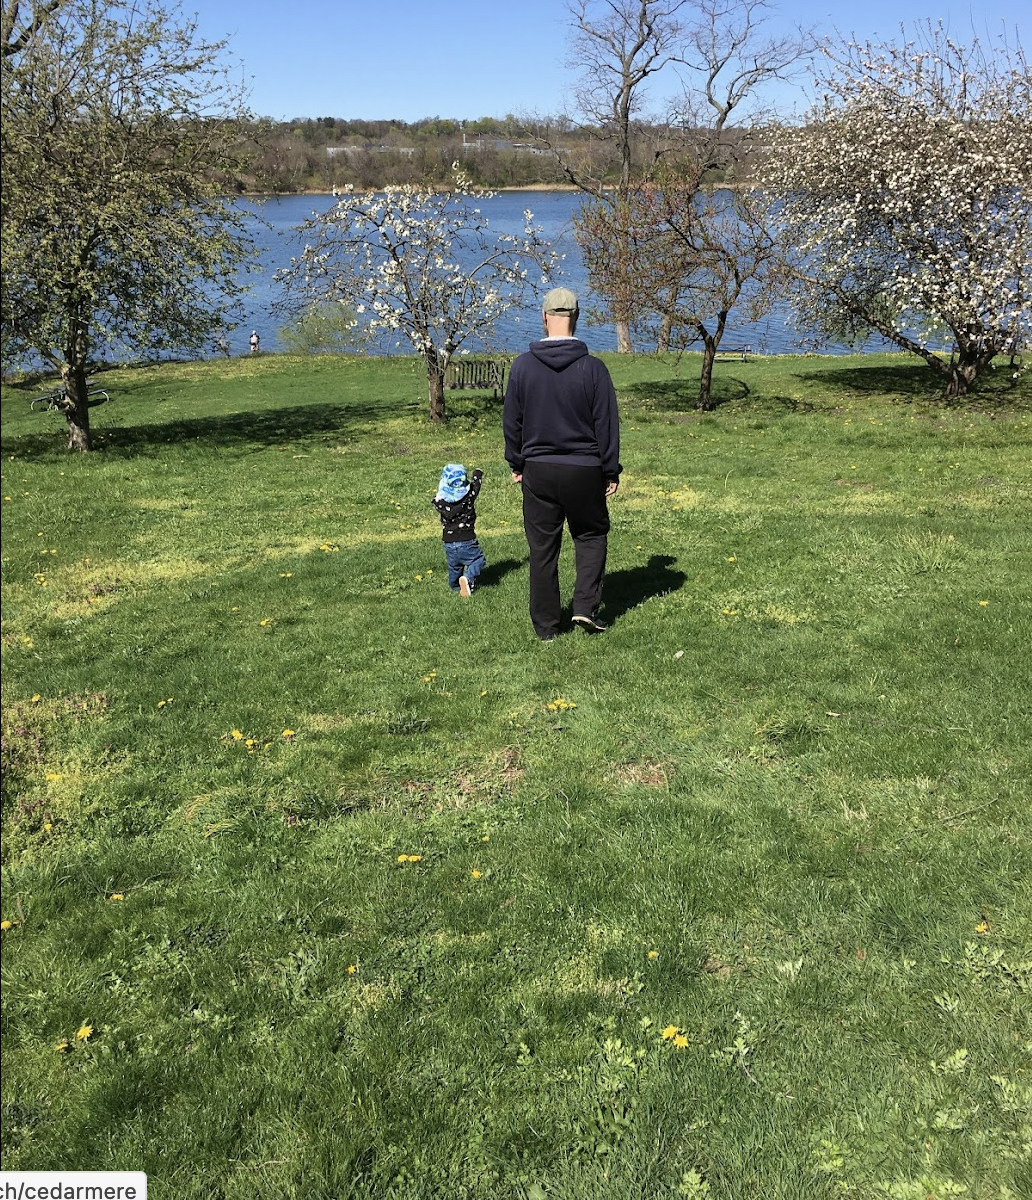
{"x":119,"y":138}
{"x":326,"y":328}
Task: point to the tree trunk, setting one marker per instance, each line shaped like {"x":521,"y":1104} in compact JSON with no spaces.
{"x":710,"y":342}
{"x":705,"y":400}
{"x":77,"y":409}
{"x":962,"y":374}
{"x":435,"y":381}
{"x":624,"y":345}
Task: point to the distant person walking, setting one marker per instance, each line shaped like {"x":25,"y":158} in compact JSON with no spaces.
{"x":255,"y":341}
{"x":562,"y":441}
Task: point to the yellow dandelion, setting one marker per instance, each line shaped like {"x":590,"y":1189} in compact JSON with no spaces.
{"x":235,"y":608}
{"x":288,"y":734}
{"x":680,"y":1041}
{"x":732,"y":559}
{"x":84,"y":1033}
{"x":653,"y":954}
{"x":476,"y":874}
{"x":117,"y":896}
{"x":419,"y":579}
{"x":63,"y":1047}
{"x":982,"y":927}
{"x":36,"y":699}
{"x":267,"y":622}
{"x":352,"y":969}
{"x":236,"y":735}
{"x":670,"y":1033}
{"x":486,"y":837}
{"x":286,"y":574}
{"x":412,"y":858}
{"x":5,"y":925}
{"x":52,"y":777}
{"x":983,"y":604}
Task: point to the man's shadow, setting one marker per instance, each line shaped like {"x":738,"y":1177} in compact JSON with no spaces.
{"x":627,"y":589}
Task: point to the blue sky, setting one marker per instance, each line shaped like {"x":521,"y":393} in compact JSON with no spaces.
{"x":410,"y":59}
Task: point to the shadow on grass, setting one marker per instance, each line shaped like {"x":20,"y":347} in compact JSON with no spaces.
{"x":468,"y":409}
{"x":241,"y":431}
{"x":495,"y":572}
{"x":913,"y":379}
{"x":906,"y":382}
{"x":630,"y":588}
{"x":682,"y":395}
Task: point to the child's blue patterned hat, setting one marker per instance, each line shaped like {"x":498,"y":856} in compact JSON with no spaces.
{"x":454,"y":484}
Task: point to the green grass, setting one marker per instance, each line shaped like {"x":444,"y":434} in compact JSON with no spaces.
{"x":427,"y":945}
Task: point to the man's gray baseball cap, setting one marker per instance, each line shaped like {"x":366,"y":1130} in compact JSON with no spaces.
{"x":561,"y":300}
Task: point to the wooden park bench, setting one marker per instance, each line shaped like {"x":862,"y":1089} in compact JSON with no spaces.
{"x":733,"y":353}
{"x":53,"y":400}
{"x":480,"y":374}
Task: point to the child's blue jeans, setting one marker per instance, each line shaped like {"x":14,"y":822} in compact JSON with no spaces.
{"x":464,"y":558}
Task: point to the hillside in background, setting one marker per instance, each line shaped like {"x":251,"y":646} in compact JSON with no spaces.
{"x":318,"y":155}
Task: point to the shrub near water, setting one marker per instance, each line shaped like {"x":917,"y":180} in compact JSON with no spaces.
{"x":320,"y":881}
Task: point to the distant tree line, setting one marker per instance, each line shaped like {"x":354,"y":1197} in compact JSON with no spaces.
{"x":323,"y":153}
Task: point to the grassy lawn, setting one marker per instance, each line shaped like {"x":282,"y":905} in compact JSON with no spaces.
{"x":320,"y":882}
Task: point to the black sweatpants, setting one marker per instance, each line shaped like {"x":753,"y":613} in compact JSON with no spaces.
{"x":555,"y":494}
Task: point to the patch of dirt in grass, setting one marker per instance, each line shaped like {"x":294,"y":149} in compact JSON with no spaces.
{"x":469,"y":785}
{"x":641,"y":774}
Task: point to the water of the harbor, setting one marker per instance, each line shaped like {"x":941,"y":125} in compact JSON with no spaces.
{"x":276,"y":236}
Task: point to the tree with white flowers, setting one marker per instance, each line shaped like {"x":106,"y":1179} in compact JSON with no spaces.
{"x":905,"y":200}
{"x":420,"y":265}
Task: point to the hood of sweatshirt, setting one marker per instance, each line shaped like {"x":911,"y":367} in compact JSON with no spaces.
{"x":558,"y":353}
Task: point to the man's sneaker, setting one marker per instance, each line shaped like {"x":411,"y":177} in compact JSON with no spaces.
{"x":590,"y":624}
{"x":464,"y":588}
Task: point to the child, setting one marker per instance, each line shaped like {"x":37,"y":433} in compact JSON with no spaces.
{"x":456,"y":503}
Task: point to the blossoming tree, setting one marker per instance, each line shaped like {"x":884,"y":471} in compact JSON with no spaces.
{"x":420,"y":265}
{"x":905,"y":200}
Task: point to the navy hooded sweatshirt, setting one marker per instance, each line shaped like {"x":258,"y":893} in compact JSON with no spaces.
{"x":560,"y":406}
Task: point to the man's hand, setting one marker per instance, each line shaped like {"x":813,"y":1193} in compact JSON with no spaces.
{"x":611,"y":486}
{"x":517,"y":476}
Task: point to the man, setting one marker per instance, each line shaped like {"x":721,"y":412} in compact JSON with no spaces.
{"x":562,"y":441}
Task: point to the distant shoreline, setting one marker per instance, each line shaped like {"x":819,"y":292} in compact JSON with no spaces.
{"x":527,"y":187}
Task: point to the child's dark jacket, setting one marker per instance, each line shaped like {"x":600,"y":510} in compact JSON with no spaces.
{"x":458,"y":520}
